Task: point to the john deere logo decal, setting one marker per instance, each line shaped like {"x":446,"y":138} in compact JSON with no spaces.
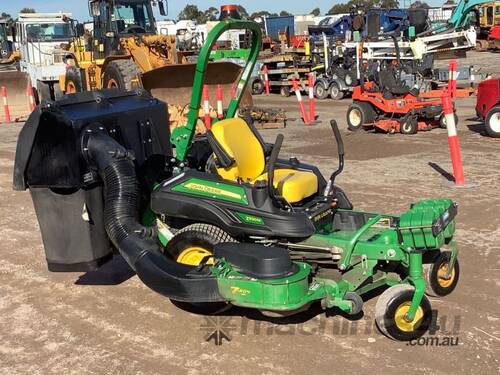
{"x":212,"y":190}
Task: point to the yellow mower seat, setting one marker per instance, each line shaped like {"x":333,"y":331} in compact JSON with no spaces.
{"x":240,"y":143}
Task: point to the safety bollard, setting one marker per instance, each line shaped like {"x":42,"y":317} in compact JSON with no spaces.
{"x":6,"y":110}
{"x":312,"y":104}
{"x":452,"y":78}
{"x":453,"y":142}
{"x":265,"y":72}
{"x":220,"y":108}
{"x":302,"y":108}
{"x":206,"y":107}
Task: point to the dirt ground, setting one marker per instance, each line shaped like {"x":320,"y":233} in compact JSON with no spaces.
{"x":109,"y":322}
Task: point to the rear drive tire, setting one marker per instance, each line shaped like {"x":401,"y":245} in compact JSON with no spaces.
{"x":257,"y":87}
{"x":189,"y":246}
{"x":359,"y":114}
{"x":122,"y":75}
{"x":285,"y":91}
{"x":192,"y":243}
{"x":73,"y":81}
{"x":320,"y":91}
{"x":335,"y":92}
{"x":492,"y":122}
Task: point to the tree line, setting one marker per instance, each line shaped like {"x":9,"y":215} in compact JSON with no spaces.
{"x":192,"y":12}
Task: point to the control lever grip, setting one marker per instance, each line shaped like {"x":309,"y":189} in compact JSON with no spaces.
{"x":338,"y":137}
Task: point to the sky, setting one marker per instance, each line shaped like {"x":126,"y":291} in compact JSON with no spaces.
{"x":80,"y":10}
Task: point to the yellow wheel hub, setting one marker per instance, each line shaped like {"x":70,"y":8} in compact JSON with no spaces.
{"x":442,"y":281}
{"x":402,"y":323}
{"x":112,"y":84}
{"x":192,"y":256}
{"x":70,"y":88}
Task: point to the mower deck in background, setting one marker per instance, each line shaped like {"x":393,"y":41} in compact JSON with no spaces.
{"x":225,"y":220}
{"x":407,"y":113}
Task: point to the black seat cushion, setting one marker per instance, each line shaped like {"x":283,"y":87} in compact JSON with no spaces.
{"x":258,"y":261}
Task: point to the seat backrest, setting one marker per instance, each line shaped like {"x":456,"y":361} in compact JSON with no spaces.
{"x":241,"y":144}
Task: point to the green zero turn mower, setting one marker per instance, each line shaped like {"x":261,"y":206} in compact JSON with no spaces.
{"x":223,"y":219}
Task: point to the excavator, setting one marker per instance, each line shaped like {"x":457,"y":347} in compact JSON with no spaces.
{"x":125,"y":52}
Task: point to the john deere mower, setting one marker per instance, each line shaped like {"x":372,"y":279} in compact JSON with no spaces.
{"x":223,"y":219}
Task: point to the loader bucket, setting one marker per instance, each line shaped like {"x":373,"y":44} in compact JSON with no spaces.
{"x":173,"y":84}
{"x":15,"y":83}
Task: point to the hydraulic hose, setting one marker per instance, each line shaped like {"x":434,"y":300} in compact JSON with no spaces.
{"x":136,"y":243}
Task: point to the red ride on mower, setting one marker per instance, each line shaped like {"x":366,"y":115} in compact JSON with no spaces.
{"x":488,"y":105}
{"x":405,"y":112}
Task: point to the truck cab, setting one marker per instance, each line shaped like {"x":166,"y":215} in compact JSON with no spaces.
{"x":42,"y":38}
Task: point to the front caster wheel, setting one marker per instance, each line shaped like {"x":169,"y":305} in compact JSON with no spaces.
{"x":357,"y":302}
{"x":391,"y":309}
{"x":437,"y":284}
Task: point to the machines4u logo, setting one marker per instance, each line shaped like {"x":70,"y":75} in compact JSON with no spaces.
{"x":217,"y":329}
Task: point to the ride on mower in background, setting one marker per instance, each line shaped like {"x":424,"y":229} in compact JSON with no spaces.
{"x":223,"y":220}
{"x":384,"y":102}
{"x":488,"y":106}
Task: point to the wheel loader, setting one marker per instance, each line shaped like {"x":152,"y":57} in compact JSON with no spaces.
{"x":125,"y":52}
{"x":8,"y":55}
{"x":11,"y":78}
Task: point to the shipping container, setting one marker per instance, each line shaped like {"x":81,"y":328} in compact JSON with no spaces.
{"x":273,"y":25}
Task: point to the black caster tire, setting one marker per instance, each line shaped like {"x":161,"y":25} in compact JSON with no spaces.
{"x":436,"y":284}
{"x":357,"y":302}
{"x":409,"y":126}
{"x":391,"y":308}
{"x":442,"y":120}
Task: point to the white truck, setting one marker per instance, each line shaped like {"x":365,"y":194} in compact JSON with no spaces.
{"x":41,"y":39}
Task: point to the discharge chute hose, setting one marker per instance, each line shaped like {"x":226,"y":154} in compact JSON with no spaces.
{"x":136,"y":243}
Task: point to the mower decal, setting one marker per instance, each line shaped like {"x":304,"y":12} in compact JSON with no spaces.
{"x":211,"y":189}
{"x":240,"y":291}
{"x":249,"y":219}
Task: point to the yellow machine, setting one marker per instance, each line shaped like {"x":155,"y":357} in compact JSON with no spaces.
{"x":489,"y":17}
{"x":489,"y":14}
{"x":124,"y":51}
{"x":8,"y":55}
